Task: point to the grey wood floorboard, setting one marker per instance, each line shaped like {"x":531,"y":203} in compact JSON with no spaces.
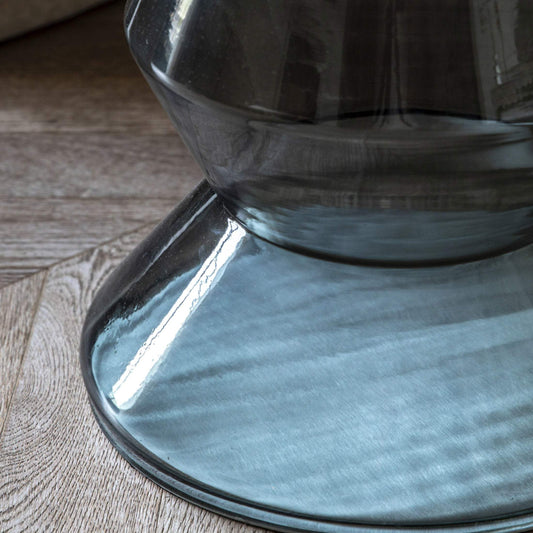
{"x":18,"y":305}
{"x":58,"y":471}
{"x":37,"y":232}
{"x":78,"y":122}
{"x":89,"y":165}
{"x":77,"y":103}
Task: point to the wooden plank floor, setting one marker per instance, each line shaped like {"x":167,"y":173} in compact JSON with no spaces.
{"x":88,"y":164}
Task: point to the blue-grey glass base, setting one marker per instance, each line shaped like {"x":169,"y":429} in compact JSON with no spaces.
{"x":303,"y":394}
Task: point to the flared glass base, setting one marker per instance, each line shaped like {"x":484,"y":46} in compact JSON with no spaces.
{"x":304,"y":394}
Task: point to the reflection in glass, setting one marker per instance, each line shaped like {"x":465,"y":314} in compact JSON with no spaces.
{"x":339,"y":393}
{"x":262,"y":353}
{"x":365,"y":130}
{"x":153,"y":350}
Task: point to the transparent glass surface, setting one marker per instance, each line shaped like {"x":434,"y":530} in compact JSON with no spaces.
{"x":334,"y":332}
{"x":310,"y":394}
{"x":393,"y":131}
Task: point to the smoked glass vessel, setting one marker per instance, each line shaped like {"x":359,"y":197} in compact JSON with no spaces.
{"x":334,"y":332}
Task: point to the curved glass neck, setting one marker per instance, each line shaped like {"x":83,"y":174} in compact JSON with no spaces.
{"x":397,"y":131}
{"x":318,"y":60}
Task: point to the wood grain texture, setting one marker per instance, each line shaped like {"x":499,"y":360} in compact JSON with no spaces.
{"x":37,"y":232}
{"x":76,"y":103}
{"x":95,"y":166}
{"x":17,"y":308}
{"x":59,"y":471}
{"x":86,"y":152}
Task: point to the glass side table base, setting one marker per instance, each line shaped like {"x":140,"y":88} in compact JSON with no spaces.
{"x":303,"y":394}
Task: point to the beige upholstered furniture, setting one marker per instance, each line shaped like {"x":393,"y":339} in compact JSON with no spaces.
{"x":19,"y":16}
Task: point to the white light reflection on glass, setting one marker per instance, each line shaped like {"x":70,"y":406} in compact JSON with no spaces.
{"x":176,"y":23}
{"x":151,"y":353}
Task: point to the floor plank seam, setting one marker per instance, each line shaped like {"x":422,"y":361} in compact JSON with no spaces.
{"x":25,"y":351}
{"x":89,"y":198}
{"x":151,"y":224}
{"x":129,"y":131}
{"x":84,"y":133}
